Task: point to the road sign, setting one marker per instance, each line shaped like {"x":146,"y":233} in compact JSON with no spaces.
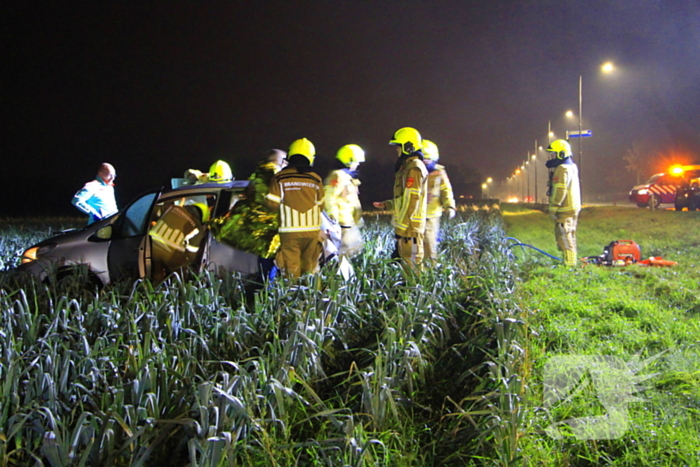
{"x":574,"y":134}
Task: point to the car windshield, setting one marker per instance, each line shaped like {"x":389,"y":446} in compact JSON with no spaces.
{"x":654,"y":178}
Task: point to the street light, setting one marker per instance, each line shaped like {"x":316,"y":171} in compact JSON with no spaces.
{"x":607,"y":67}
{"x":534,"y":162}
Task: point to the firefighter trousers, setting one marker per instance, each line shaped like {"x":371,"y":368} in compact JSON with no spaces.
{"x":298,"y":255}
{"x":565,"y":233}
{"x":430,"y":241}
{"x":410,"y":250}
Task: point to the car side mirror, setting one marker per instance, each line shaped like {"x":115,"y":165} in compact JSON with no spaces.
{"x":104,"y":233}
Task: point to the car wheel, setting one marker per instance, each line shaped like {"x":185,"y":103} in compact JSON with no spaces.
{"x":654,"y":201}
{"x":77,"y":278}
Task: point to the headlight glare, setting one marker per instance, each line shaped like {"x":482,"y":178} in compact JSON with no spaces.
{"x":30,"y":255}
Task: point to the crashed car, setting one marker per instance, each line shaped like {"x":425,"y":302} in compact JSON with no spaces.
{"x":158,"y":233}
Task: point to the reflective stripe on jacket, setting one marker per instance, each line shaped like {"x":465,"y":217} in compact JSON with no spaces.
{"x":299,"y":197}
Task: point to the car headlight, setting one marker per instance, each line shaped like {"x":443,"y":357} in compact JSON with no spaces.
{"x":33,"y":253}
{"x":643,"y":191}
{"x":30,"y":255}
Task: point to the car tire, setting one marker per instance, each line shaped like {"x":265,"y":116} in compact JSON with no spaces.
{"x":654,"y":202}
{"x":78,"y":278}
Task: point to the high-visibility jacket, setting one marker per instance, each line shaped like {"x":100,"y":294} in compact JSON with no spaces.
{"x":96,"y":199}
{"x":440,"y":194}
{"x":342,"y":198}
{"x":410,"y":201}
{"x":299,"y":197}
{"x":565,"y":200}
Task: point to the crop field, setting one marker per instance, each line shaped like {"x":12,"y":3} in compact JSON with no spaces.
{"x":395,"y":368}
{"x":392,"y":368}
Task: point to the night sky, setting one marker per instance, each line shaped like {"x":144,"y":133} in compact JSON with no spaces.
{"x":166,"y":86}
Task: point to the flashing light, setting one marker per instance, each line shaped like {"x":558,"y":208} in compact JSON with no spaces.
{"x":677,"y":170}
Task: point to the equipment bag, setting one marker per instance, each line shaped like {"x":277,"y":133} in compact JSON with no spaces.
{"x":622,"y":250}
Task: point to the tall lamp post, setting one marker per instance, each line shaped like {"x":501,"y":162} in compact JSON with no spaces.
{"x":527,"y":167}
{"x":607,"y":67}
{"x":534,"y":163}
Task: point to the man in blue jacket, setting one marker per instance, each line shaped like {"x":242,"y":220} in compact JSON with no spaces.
{"x":96,"y":198}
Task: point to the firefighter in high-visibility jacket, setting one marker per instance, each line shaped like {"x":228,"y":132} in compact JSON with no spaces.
{"x":297,"y":191}
{"x":343,"y":200}
{"x":440,"y":198}
{"x":409,"y":204}
{"x":564,"y":199}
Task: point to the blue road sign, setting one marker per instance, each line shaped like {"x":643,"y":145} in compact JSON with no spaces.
{"x":574,"y":134}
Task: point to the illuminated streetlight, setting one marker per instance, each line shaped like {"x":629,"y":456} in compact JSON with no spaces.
{"x":569,"y":113}
{"x":534,"y":162}
{"x":607,"y":67}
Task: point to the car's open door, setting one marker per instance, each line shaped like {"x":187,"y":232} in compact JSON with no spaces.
{"x":221,"y":259}
{"x":129,"y":252}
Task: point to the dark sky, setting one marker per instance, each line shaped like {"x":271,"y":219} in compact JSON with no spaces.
{"x":165,"y":86}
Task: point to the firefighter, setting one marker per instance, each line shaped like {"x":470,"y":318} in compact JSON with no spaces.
{"x":96,"y":198}
{"x":297,"y":193}
{"x":176,"y":236}
{"x":342,"y":198}
{"x":250,"y":225}
{"x":220,"y":172}
{"x":564,"y":199}
{"x":440,"y":197}
{"x":409,"y":204}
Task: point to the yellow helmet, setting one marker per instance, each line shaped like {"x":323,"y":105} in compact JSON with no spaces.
{"x":350,"y":154}
{"x":302,"y":147}
{"x":408,"y":138}
{"x":561,"y":147}
{"x":430,"y":151}
{"x":220,"y":172}
{"x":204,"y":210}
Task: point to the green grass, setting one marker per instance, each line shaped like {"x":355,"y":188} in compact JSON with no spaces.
{"x":618,"y":312}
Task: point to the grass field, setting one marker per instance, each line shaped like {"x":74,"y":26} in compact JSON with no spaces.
{"x":621,"y":313}
{"x":443,"y":368}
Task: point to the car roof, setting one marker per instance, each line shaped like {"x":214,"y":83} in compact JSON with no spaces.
{"x":236,"y":185}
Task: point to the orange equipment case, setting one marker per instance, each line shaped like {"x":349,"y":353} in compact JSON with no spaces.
{"x":625,"y":250}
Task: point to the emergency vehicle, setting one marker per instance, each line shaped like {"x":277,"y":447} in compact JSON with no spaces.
{"x":659,"y":189}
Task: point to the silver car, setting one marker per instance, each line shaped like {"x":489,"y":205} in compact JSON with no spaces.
{"x":157,"y":233}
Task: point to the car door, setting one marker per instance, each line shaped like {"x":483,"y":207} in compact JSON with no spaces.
{"x":221,"y":258}
{"x":129,"y":250}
